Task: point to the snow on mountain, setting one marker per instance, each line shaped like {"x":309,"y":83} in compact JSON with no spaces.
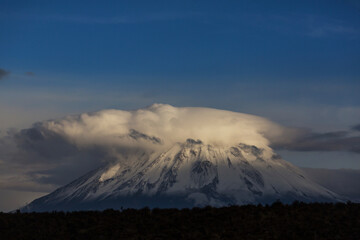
{"x":164,"y":156}
{"x":188,"y":174}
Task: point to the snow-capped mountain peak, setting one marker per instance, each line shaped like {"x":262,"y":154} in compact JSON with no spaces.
{"x":188,"y":174}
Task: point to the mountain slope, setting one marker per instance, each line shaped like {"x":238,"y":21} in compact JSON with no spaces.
{"x":187,"y":174}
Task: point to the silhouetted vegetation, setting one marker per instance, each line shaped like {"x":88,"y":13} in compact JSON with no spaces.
{"x":278,"y":221}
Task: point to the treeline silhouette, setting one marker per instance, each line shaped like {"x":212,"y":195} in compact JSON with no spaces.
{"x":276,"y":221}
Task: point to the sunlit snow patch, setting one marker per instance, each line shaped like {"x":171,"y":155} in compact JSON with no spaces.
{"x":110,"y":173}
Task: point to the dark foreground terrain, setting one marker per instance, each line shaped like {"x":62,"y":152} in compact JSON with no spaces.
{"x":278,"y":221}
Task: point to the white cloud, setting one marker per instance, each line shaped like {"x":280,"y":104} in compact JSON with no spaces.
{"x":110,"y":128}
{"x":54,"y":152}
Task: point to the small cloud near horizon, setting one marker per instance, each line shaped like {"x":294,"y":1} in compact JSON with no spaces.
{"x":30,"y":74}
{"x":3,"y":73}
{"x":356,"y":128}
{"x":308,"y":140}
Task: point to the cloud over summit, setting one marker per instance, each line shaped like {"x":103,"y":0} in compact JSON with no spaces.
{"x":158,"y":123}
{"x":3,"y":73}
{"x":56,"y":151}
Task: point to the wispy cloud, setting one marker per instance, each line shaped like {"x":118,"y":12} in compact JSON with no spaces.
{"x":300,"y":24}
{"x":120,"y":19}
{"x":307,"y":140}
{"x":317,"y":26}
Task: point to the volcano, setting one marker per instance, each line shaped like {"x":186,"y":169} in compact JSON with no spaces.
{"x":151,"y":171}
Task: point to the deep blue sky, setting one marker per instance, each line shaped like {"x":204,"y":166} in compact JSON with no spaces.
{"x":97,"y":42}
{"x":295,"y":62}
